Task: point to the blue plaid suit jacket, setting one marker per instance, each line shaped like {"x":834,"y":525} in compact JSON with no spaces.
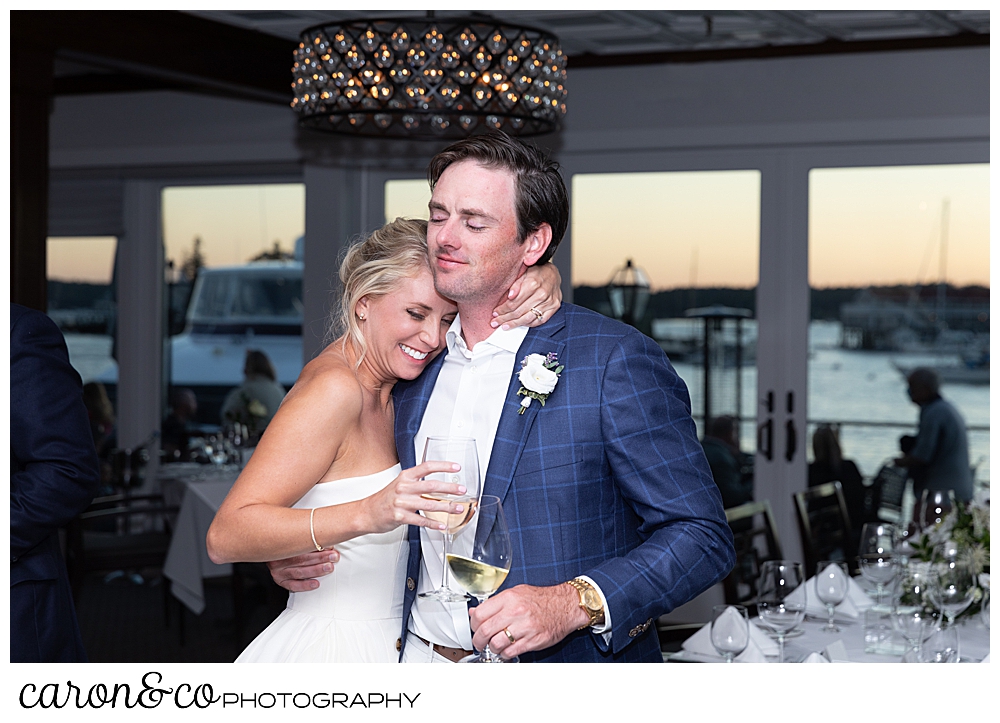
{"x":607,"y":479}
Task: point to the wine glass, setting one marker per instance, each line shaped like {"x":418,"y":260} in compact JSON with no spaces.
{"x":953,"y":592}
{"x":730,"y":630}
{"x":940,"y":647}
{"x":778,"y":607}
{"x":461,"y":451}
{"x":877,"y":555}
{"x":935,"y":506}
{"x":486,"y":567}
{"x":831,"y":589}
{"x":911,"y":616}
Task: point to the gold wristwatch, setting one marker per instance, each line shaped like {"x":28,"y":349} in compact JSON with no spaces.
{"x":590,"y":601}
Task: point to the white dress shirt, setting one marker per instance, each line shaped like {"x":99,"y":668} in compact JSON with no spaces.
{"x":467,"y":400}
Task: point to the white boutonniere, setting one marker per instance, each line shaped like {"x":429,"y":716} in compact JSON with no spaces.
{"x":538,"y":377}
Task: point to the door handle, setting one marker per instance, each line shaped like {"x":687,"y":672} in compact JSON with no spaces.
{"x":791,"y":440}
{"x":765,"y":439}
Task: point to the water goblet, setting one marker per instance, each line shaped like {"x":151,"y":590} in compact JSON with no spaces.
{"x":462,"y":451}
{"x":832,"y":581}
{"x":877,"y":556}
{"x":483,"y":571}
{"x":781,"y":600}
{"x":730,"y":630}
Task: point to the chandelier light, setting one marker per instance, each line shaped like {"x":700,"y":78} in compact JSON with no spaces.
{"x":429,"y":78}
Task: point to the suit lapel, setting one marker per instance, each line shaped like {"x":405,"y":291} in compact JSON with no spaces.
{"x":513,"y":430}
{"x":411,"y":401}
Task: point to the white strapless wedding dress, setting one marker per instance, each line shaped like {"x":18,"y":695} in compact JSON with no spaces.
{"x":355,"y":615}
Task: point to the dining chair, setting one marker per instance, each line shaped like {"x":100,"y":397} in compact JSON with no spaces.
{"x":888,"y":489}
{"x":755,"y":536}
{"x":825,"y":526}
{"x":120,"y":533}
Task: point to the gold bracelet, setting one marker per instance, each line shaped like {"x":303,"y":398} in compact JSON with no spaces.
{"x":312,"y":530}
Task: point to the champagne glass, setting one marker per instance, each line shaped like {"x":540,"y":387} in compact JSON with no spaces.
{"x":484,"y":570}
{"x":911,"y":616}
{"x":781,"y":600}
{"x":935,"y":506}
{"x":831,"y":589}
{"x":877,"y":555}
{"x":462,"y":451}
{"x":730,"y":630}
{"x":953,"y":592}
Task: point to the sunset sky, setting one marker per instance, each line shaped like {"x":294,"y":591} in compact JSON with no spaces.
{"x":867,"y":226}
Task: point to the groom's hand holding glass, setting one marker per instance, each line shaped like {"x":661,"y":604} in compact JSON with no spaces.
{"x":527,"y":617}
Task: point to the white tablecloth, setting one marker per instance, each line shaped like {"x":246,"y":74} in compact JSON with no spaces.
{"x":187,"y":563}
{"x":974,"y":643}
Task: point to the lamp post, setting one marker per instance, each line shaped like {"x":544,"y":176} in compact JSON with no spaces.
{"x":628,"y":292}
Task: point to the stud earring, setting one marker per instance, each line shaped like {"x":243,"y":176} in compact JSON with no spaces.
{"x":361,"y":317}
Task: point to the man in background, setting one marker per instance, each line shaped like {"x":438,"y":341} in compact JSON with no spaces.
{"x":54,"y":475}
{"x":731,"y":467}
{"x":938,"y":458}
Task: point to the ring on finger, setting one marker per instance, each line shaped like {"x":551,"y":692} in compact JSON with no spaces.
{"x":510,"y":636}
{"x":536,"y":312}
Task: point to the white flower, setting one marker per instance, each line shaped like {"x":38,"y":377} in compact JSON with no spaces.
{"x":535,"y":377}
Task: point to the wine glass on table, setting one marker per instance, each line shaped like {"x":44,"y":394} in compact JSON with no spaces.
{"x":877,"y":556}
{"x":935,"y":506}
{"x":954,"y":589}
{"x":912,"y":616}
{"x":940,"y":647}
{"x":778,"y":607}
{"x":483,"y":571}
{"x":462,"y":451}
{"x":730,"y":630}
{"x":831,"y":588}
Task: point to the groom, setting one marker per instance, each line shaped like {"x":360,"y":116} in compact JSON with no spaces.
{"x":613,"y":513}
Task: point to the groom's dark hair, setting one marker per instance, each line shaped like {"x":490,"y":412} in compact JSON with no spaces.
{"x":541,"y":193}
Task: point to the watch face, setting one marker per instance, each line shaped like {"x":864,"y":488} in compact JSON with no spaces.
{"x":592,"y":600}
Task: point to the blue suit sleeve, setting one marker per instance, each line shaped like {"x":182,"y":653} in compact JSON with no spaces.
{"x":660,"y":469}
{"x":54,"y":468}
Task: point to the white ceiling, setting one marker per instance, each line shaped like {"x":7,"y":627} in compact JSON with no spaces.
{"x":623,"y":32}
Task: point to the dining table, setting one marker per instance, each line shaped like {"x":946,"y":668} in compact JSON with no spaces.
{"x":199,"y":490}
{"x":849,"y":645}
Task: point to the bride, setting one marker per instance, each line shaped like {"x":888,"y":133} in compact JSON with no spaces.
{"x":326,"y":473}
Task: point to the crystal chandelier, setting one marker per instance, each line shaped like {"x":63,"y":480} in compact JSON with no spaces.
{"x":429,"y":78}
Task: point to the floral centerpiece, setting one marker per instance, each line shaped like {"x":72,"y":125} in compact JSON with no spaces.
{"x":966,"y":529}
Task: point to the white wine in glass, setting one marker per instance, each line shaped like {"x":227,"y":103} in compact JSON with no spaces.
{"x":462,"y":451}
{"x":484,"y":570}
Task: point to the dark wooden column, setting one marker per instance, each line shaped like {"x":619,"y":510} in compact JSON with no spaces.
{"x":31,"y":98}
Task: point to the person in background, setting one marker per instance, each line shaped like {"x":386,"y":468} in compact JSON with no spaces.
{"x":102,"y":427}
{"x":938,"y":458}
{"x":54,"y":475}
{"x":829,"y":465}
{"x":254,"y":402}
{"x":731,"y":467}
{"x":176,"y":433}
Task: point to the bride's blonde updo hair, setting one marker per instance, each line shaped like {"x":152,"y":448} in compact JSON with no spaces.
{"x":373,"y":267}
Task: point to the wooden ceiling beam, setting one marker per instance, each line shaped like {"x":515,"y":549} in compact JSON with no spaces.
{"x":174,"y":47}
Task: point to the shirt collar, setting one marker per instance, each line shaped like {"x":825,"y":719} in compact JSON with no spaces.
{"x":509,"y":340}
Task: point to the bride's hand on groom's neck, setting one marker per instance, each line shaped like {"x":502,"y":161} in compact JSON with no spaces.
{"x":532,"y":300}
